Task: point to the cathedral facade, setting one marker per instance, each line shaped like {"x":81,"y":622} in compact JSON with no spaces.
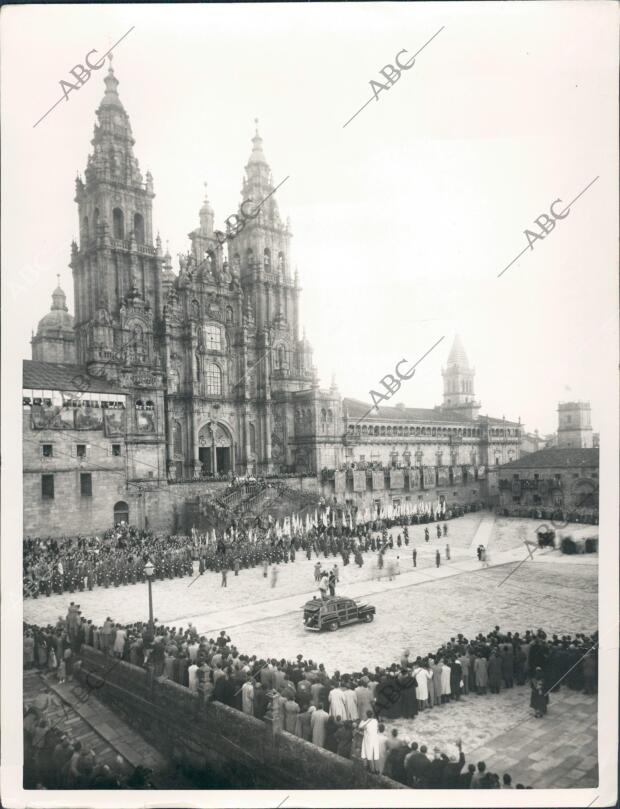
{"x":165,"y":376}
{"x":218,"y":341}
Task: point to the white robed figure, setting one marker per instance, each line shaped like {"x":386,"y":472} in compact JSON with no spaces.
{"x":371,"y":748}
{"x":337,"y":703}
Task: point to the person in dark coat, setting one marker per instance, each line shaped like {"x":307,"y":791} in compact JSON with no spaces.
{"x":456,"y":677}
{"x":406,"y":684}
{"x":344,"y":739}
{"x":539,"y":699}
{"x":494,"y":669}
{"x":452,"y":770}
{"x":436,"y":768}
{"x":508,"y":666}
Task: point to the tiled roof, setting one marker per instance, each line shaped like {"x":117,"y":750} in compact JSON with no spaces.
{"x":358,"y":410}
{"x":58,"y":376}
{"x":558,"y":457}
{"x":362,"y":411}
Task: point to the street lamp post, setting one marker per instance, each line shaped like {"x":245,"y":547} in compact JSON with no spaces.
{"x":149,"y":569}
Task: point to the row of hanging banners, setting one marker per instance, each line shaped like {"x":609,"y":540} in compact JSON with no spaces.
{"x":111,"y":420}
{"x":414,"y":478}
{"x":328,"y":516}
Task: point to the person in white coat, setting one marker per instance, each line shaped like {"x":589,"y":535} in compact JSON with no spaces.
{"x":247,"y":697}
{"x":192,"y":678}
{"x":422,"y":676}
{"x":337,"y":703}
{"x":350,"y":698}
{"x":445,"y":682}
{"x":371,"y":747}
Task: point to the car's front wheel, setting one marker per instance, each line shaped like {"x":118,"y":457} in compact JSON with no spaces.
{"x":333,"y":626}
{"x":368,"y":617}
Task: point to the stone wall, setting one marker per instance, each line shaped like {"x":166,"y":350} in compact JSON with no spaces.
{"x":232,"y":747}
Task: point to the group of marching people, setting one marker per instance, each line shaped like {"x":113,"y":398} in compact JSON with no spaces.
{"x":118,"y":557}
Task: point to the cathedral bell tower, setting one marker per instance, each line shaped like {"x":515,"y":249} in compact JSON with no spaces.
{"x":116,"y":267}
{"x":458,"y":383}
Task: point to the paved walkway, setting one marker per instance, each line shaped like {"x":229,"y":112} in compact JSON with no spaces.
{"x":559,"y":750}
{"x":483,"y":533}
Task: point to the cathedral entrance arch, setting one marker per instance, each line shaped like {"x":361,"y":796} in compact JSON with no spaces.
{"x":215,"y":449}
{"x":121,"y":512}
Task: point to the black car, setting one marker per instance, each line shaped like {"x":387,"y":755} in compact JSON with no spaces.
{"x":332,"y":613}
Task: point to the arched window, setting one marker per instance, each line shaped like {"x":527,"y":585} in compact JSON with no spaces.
{"x":210,"y":259}
{"x":138,"y":228}
{"x":213,"y":376}
{"x":423,"y":431}
{"x":364,"y":430}
{"x":389,"y":431}
{"x":323,"y":415}
{"x":433,"y":431}
{"x":417,"y":431}
{"x":249,"y":257}
{"x":406,"y":431}
{"x":330,"y":415}
{"x":267,"y":258}
{"x":382,"y":430}
{"x":177,"y":438}
{"x":118,"y":224}
{"x":281,"y":262}
{"x":150,"y":405}
{"x":376,"y":431}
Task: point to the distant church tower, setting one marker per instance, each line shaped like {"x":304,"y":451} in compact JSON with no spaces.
{"x":116,"y":268}
{"x":574,"y":425}
{"x":458,"y":383}
{"x":55,"y":340}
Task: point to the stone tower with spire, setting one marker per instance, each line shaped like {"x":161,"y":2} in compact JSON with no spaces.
{"x":116,"y":267}
{"x":458,"y":383}
{"x":55,"y":339}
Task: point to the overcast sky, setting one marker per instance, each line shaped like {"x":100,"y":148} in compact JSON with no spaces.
{"x":402,"y":220}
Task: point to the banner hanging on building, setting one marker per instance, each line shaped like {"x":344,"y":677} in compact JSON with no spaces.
{"x":88,"y":418}
{"x":52,"y":417}
{"x":457,"y":474}
{"x":340,"y":482}
{"x":443,"y":476}
{"x":377,"y":480}
{"x":114,"y":422}
{"x":429,"y":477}
{"x":414,"y":478}
{"x":397,"y":479}
{"x":481,"y":472}
{"x":359,"y":480}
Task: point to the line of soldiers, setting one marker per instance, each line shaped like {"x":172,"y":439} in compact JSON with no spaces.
{"x":85,"y":563}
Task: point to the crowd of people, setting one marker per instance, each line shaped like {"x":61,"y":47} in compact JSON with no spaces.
{"x":118,"y":556}
{"x":345,"y":713}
